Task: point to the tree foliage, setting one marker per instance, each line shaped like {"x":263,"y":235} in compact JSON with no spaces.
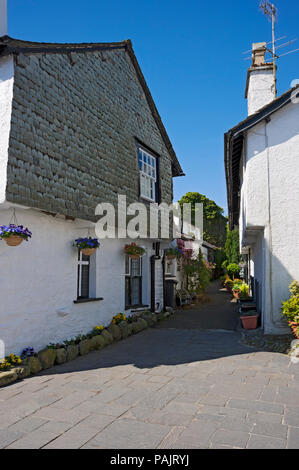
{"x":232,"y":249}
{"x":214,"y":220}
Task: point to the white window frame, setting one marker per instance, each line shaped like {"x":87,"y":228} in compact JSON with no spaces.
{"x":147,"y":164}
{"x":172,"y":265}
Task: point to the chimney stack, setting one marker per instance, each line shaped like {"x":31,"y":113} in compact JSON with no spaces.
{"x":3,"y":18}
{"x":260,"y":87}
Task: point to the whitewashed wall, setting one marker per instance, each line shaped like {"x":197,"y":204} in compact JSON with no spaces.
{"x":270,"y":205}
{"x":6,"y":93}
{"x":38,"y":282}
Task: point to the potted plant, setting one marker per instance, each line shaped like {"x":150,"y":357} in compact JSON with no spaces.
{"x":13,"y":234}
{"x":233,"y":270}
{"x":229,"y":285}
{"x":134,"y":251}
{"x":249,"y":320}
{"x":240,"y":289}
{"x":244,"y":290}
{"x":87,"y":245}
{"x":172,"y":253}
{"x":290,"y":308}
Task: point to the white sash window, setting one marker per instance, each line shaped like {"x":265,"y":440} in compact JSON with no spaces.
{"x":148,"y":174}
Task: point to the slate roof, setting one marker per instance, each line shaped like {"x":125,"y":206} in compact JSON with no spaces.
{"x":10,"y":45}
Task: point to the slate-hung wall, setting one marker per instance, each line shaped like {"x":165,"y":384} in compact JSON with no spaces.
{"x":74,"y":122}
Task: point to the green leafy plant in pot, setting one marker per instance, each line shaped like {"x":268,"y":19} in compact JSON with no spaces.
{"x":290,"y":308}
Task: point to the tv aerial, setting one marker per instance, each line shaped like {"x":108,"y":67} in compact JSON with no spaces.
{"x":271,"y":12}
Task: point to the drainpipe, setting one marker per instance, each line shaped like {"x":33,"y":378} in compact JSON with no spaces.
{"x":164,"y":284}
{"x":153,"y":281}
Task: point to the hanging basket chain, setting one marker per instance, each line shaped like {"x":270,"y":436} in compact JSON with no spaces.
{"x":14,"y":218}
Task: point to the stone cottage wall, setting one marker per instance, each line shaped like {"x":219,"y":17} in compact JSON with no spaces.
{"x":72,"y":141}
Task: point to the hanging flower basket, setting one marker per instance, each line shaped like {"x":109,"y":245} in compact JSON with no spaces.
{"x":134,"y":251}
{"x":13,"y":234}
{"x":87,"y":245}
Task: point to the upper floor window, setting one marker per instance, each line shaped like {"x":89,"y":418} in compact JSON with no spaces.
{"x":148,"y":175}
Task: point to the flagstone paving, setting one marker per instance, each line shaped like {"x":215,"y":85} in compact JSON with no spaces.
{"x":169,"y":387}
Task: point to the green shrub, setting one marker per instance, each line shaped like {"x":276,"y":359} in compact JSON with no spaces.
{"x":290,"y":308}
{"x":233,"y":270}
{"x":294,"y":288}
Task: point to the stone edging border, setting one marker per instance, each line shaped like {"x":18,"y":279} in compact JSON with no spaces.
{"x":47,"y":358}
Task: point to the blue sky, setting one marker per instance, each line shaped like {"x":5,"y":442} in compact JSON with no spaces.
{"x":191,"y":56}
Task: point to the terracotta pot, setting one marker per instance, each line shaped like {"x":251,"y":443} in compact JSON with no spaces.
{"x":14,"y":240}
{"x":88,"y":251}
{"x":170,"y":256}
{"x":236,"y":294}
{"x":249,"y":323}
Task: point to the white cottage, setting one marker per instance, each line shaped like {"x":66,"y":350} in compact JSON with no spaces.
{"x":262,"y":174}
{"x":78,"y":127}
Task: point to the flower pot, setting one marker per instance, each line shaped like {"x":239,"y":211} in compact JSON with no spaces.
{"x":250,"y":323}
{"x":236,"y":294}
{"x":88,"y":251}
{"x":170,"y":257}
{"x":134,"y":256}
{"x":14,"y":240}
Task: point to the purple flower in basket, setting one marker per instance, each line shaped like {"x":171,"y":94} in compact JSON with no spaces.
{"x":87,"y":243}
{"x":7,"y":230}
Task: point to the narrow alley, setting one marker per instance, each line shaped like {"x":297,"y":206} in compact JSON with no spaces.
{"x":185,"y":383}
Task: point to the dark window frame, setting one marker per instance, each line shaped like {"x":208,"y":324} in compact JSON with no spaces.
{"x":79,"y":276}
{"x":128,"y":285}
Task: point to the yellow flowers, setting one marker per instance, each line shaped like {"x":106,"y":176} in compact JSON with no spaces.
{"x":9,"y":362}
{"x":118,"y":318}
{"x":98,"y":328}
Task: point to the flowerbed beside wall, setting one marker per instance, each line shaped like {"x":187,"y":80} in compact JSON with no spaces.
{"x":15,"y":367}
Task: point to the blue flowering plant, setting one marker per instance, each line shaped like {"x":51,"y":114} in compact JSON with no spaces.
{"x":88,"y":242}
{"x":27,"y":352}
{"x":7,"y":231}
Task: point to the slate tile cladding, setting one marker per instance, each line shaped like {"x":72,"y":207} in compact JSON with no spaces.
{"x":75,"y":121}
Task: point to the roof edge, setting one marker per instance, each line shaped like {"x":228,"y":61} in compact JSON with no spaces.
{"x":265,"y":111}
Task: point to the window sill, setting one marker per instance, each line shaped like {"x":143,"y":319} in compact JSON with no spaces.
{"x":146,"y":201}
{"x":136,"y":308}
{"x":83,"y":301}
